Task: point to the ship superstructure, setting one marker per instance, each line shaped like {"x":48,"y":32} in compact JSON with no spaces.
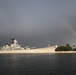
{"x":13,"y":46}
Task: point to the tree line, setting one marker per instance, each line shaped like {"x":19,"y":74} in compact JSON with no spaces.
{"x":67,"y":47}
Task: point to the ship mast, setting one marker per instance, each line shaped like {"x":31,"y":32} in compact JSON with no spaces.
{"x":48,"y":43}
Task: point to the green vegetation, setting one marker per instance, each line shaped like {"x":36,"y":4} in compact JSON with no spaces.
{"x":65,"y":48}
{"x":74,"y":49}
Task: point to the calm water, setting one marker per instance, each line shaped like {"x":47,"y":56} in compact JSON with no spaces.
{"x":37,"y":64}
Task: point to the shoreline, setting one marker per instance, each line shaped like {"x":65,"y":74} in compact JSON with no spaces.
{"x":46,"y":50}
{"x":38,"y":53}
{"x":11,"y":52}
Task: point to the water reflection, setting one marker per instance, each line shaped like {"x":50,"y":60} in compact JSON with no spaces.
{"x":40,"y":64}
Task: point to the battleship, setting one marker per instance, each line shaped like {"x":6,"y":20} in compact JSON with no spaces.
{"x":14,"y":47}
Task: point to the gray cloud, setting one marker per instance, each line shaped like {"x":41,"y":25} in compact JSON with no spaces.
{"x":34,"y":22}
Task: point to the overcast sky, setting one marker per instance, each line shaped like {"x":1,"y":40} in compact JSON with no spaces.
{"x":35,"y":22}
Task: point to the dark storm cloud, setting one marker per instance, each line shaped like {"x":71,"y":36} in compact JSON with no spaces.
{"x":34,"y":22}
